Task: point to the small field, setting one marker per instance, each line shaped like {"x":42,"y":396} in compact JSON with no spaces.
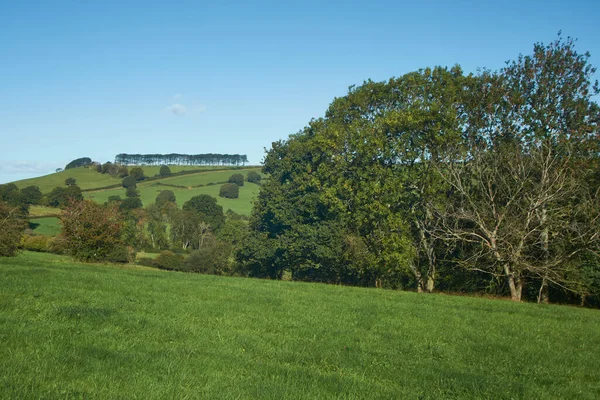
{"x":70,"y":330}
{"x":47,"y":226}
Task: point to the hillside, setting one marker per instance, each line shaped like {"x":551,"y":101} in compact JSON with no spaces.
{"x":197,"y":180}
{"x":72,"y":330}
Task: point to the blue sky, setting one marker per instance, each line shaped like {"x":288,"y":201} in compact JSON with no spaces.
{"x":93,"y":79}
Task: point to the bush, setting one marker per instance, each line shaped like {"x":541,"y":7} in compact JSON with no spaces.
{"x":12,"y":225}
{"x":121,"y":254}
{"x":146,"y":261}
{"x":169,"y":260}
{"x":238,"y":179}
{"x":164,"y":171}
{"x":130,"y":203}
{"x":165,"y":196}
{"x":129,"y":182}
{"x":57,"y":245}
{"x":138,"y":173}
{"x":230,"y":191}
{"x":35,"y":243}
{"x":253,"y":177}
{"x":212,"y":258}
{"x":123,"y":171}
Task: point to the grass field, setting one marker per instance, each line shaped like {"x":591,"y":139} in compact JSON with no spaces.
{"x":70,"y":330}
{"x":47,"y":226}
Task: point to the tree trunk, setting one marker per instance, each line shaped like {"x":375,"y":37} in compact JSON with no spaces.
{"x":430,"y":283}
{"x":543,"y":293}
{"x":514,"y":283}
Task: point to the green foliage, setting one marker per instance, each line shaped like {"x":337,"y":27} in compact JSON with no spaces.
{"x":123,"y":171}
{"x":208,"y":209}
{"x":253,"y":177}
{"x":79,"y":162}
{"x":230,"y":191}
{"x":132,"y":192}
{"x":212,"y":258}
{"x":129,"y":182}
{"x":70,"y":181}
{"x":110,"y":169}
{"x":60,"y":196}
{"x":92,"y":231}
{"x":164,"y":170}
{"x":130,"y":203}
{"x":120,"y":254}
{"x":12,"y":225}
{"x":237,"y":179}
{"x":165,"y":196}
{"x":137,"y":173}
{"x":35,"y":243}
{"x":169,"y":260}
{"x":114,"y":199}
{"x":31,"y":195}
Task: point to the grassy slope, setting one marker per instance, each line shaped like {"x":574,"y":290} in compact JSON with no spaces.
{"x":86,"y":179}
{"x":47,"y":226}
{"x":69,"y":330}
{"x":149,"y":190}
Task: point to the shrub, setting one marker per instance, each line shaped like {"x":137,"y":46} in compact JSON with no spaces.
{"x":238,"y":179}
{"x":138,"y":173}
{"x":253,"y":177}
{"x":12,"y":225}
{"x":230,"y":191}
{"x":212,"y":258}
{"x":165,"y":196}
{"x":35,"y":243}
{"x":121,"y":254}
{"x":70,"y":182}
{"x":129,"y":182}
{"x":57,"y":245}
{"x":169,"y":260}
{"x":123,"y":171}
{"x":164,"y":171}
{"x":130,"y":203}
{"x":146,"y":261}
{"x":91,"y":230}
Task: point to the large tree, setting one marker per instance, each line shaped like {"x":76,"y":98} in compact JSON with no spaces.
{"x":517,"y":176}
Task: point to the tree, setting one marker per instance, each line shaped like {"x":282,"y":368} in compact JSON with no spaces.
{"x":70,"y":182}
{"x":79,"y":162}
{"x":31,"y":195}
{"x":516,"y":176}
{"x":129,"y":182}
{"x":137,"y":173}
{"x":165,"y":196}
{"x":164,"y":170}
{"x":130,"y":203}
{"x":208,"y":209}
{"x":229,"y":191}
{"x":91,"y":231}
{"x":60,"y":196}
{"x":237,"y":179}
{"x":12,"y":226}
{"x":253,"y":177}
{"x":132,"y":192}
{"x":123,"y":171}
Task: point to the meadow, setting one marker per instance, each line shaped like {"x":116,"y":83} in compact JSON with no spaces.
{"x":71,"y":330}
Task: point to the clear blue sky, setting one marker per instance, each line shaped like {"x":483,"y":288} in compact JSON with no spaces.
{"x":97,"y":78}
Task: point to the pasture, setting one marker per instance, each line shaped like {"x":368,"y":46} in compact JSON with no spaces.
{"x":71,"y":330}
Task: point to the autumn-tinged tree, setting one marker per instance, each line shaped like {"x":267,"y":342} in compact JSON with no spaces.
{"x":91,"y":231}
{"x":12,"y":225}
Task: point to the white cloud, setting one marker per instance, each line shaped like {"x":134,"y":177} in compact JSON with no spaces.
{"x":177,"y":97}
{"x":177,"y":109}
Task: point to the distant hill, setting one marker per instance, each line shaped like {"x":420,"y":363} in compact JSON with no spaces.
{"x":186,"y":181}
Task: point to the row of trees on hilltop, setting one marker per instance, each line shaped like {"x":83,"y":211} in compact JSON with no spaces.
{"x":181,"y":159}
{"x":438,"y":179}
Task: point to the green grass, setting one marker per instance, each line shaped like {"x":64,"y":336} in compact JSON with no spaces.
{"x":47,"y":226}
{"x":86,"y":179}
{"x":43,"y":211}
{"x":70,"y":330}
